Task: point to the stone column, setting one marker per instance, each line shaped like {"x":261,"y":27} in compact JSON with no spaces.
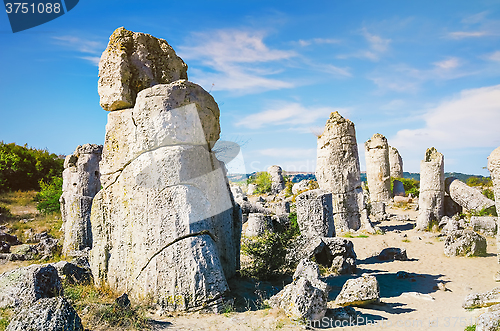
{"x":431,"y":199}
{"x":378,"y":172}
{"x":278,"y":183}
{"x":466,"y":196}
{"x":396,"y":163}
{"x":337,"y":171}
{"x":314,"y":213}
{"x":81,"y":182}
{"x":494,"y":168}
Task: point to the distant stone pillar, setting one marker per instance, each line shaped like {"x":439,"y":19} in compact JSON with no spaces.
{"x":278,"y":183}
{"x":494,"y":168}
{"x":258,"y":224}
{"x":396,"y":163}
{"x":337,"y":171}
{"x":378,"y":172}
{"x":314,"y":213}
{"x":81,"y":182}
{"x":466,"y":196}
{"x":431,"y":199}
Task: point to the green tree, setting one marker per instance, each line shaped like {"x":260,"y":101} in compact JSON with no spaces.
{"x":48,"y":197}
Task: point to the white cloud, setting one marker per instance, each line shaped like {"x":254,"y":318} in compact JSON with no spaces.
{"x":467,"y":34}
{"x":318,"y":41}
{"x":377,"y":47}
{"x":93,"y":59}
{"x":469,"y":120}
{"x":450,"y":63}
{"x":235,"y":59}
{"x":80,"y":44}
{"x":377,"y":43}
{"x":495,"y":56}
{"x":289,"y":114}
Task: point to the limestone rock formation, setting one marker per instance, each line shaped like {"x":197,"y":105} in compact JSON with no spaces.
{"x":314,"y":213}
{"x":488,"y":321}
{"x":133,"y":62}
{"x":165,"y":226}
{"x":396,"y":163}
{"x":392,"y":254}
{"x":359,"y":291}
{"x":378,"y":170}
{"x":479,"y":300}
{"x":303,"y":185}
{"x":258,"y":224}
{"x":72,"y":273}
{"x":494,"y":169}
{"x":310,"y":271}
{"x":81,"y":182}
{"x":431,"y":198}
{"x":464,"y":243}
{"x":278,"y":183}
{"x":466,"y":196}
{"x":486,"y":225}
{"x":48,"y":314}
{"x":338,"y":172}
{"x":301,"y":300}
{"x":28,"y":284}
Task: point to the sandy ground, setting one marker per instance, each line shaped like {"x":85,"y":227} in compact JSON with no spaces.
{"x":414,"y":303}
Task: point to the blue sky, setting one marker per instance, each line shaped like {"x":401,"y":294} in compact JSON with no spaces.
{"x":422,"y":73}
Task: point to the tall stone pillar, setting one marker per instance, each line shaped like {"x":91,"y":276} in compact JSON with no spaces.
{"x":431,"y":199}
{"x":337,"y":171}
{"x":278,"y":183}
{"x":396,"y":163}
{"x":494,"y":168}
{"x":81,"y":182}
{"x":378,"y":172}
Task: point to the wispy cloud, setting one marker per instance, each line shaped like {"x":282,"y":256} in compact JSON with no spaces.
{"x":288,"y":114}
{"x":495,"y":56}
{"x":81,"y":45}
{"x":317,"y":41}
{"x":376,"y":47}
{"x":235,"y":60}
{"x":449,"y":63}
{"x":467,"y":120}
{"x":467,"y":34}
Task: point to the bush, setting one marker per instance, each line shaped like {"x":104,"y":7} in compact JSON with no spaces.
{"x":479,"y":181}
{"x":262,"y":180}
{"x":487,"y":192}
{"x":22,"y":168}
{"x":491,"y":211}
{"x":268,"y":252}
{"x":48,"y":197}
{"x":412,"y":186}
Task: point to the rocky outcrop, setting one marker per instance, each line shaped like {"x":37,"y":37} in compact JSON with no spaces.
{"x":301,"y":186}
{"x":466,"y":196}
{"x":464,"y":243}
{"x":165,"y":226}
{"x":314,"y":213}
{"x":430,"y":203}
{"x":258,"y":224}
{"x":72,"y":273}
{"x":337,"y":171}
{"x":301,"y":300}
{"x":48,"y":314}
{"x":277,"y":181}
{"x":133,"y":62}
{"x":29,"y":284}
{"x":479,"y":300}
{"x":359,"y":291}
{"x":81,"y":182}
{"x":494,"y":169}
{"x":488,"y":321}
{"x":396,"y":163}
{"x":310,"y":270}
{"x":392,"y":254}
{"x":378,"y":170}
{"x":486,"y":225}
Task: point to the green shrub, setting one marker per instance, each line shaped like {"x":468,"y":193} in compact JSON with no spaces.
{"x":487,"y":192}
{"x":479,"y":181}
{"x":48,"y":197}
{"x":412,"y":186}
{"x":125,"y":317}
{"x":268,"y":252}
{"x":470,"y":328}
{"x":491,"y":211}
{"x":22,"y":168}
{"x":262,"y":180}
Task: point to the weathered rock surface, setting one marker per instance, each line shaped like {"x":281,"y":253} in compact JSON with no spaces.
{"x":392,"y":254}
{"x":4,"y":247}
{"x":251,"y":189}
{"x":133,"y":62}
{"x":47,"y":314}
{"x":303,"y":185}
{"x":466,"y":196}
{"x":430,"y":203}
{"x":314,"y":213}
{"x":310,"y":270}
{"x":29,"y":284}
{"x":478,"y":300}
{"x":378,"y":170}
{"x":9,"y":239}
{"x":494,"y":169}
{"x":399,"y":199}
{"x":486,"y":225}
{"x":81,"y":182}
{"x":396,"y":163}
{"x":301,"y":300}
{"x":72,"y":273}
{"x":359,"y":291}
{"x":258,"y":224}
{"x":338,"y":172}
{"x":488,"y":321}
{"x":165,"y":226}
{"x":337,"y":254}
{"x":464,"y":243}
{"x":238,"y":194}
{"x":278,"y":183}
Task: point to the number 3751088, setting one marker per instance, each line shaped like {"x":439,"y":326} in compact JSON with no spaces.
{"x":25,"y":8}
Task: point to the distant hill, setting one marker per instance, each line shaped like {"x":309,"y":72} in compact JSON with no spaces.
{"x":298,"y":176}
